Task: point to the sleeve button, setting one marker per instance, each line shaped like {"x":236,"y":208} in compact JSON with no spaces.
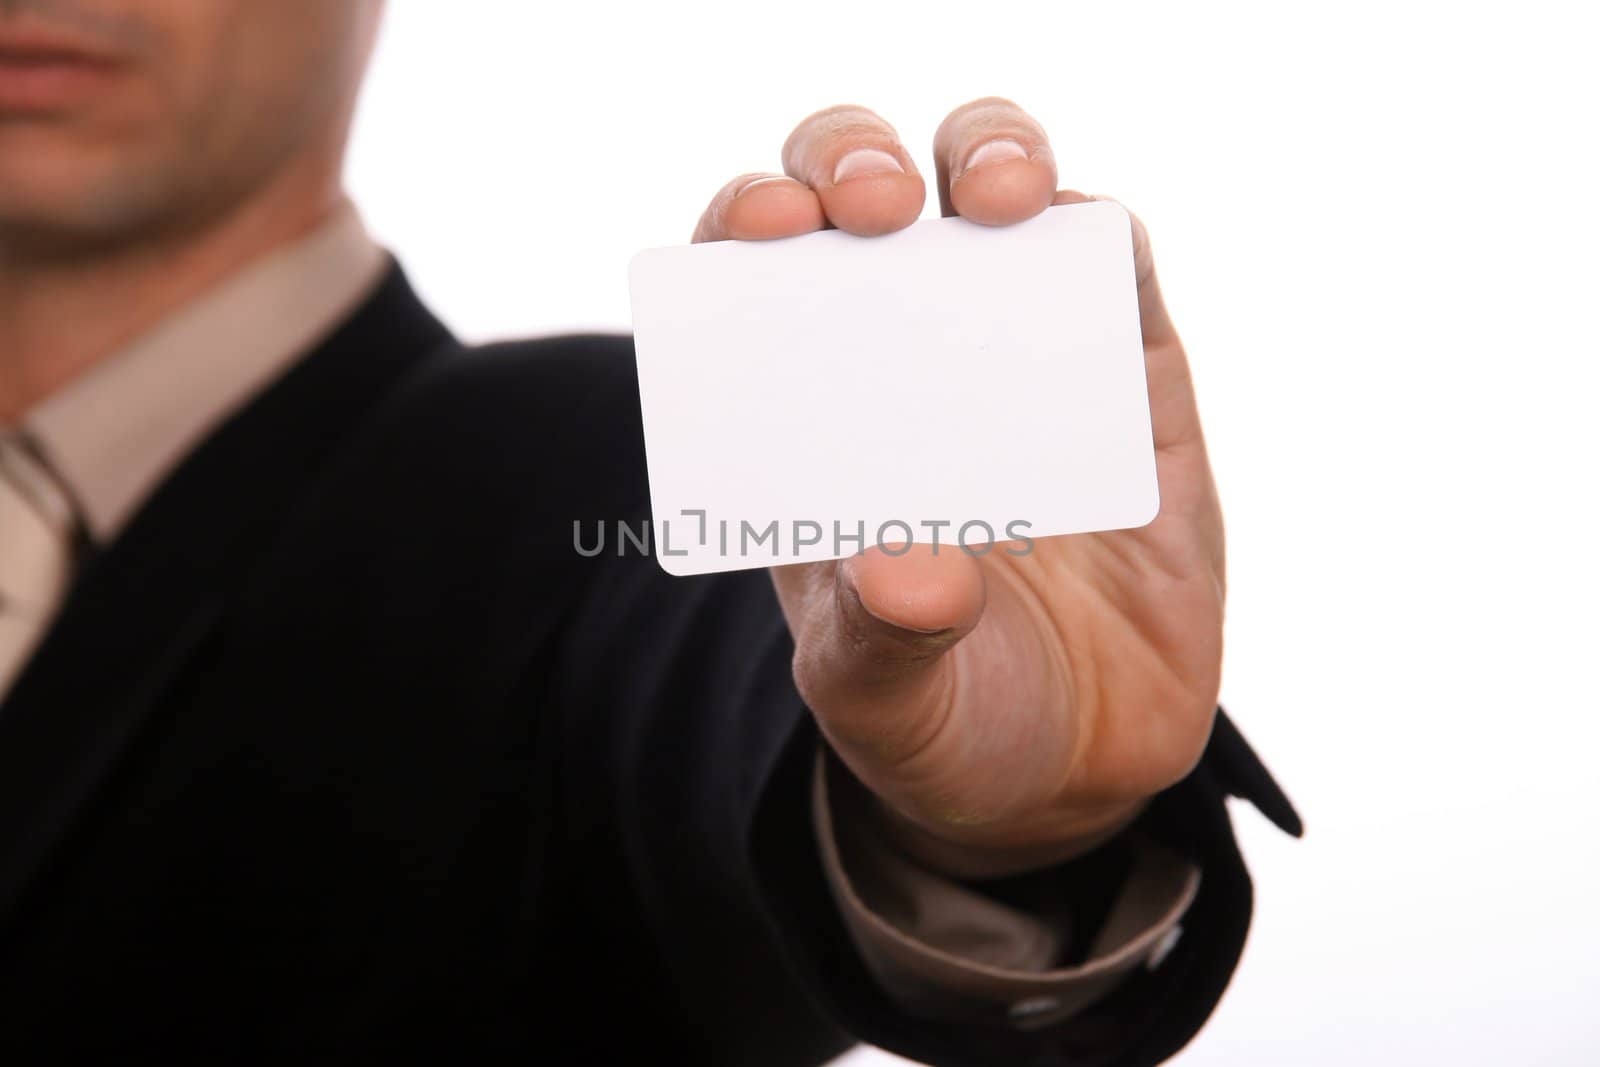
{"x":1032,"y":1008}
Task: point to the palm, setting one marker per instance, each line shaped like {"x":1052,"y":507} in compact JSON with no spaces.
{"x":1098,"y":653}
{"x":1092,"y":673}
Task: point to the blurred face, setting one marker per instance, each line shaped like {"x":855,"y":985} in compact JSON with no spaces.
{"x":119,"y":118}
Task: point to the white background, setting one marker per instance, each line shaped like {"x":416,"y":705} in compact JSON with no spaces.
{"x":1376,"y":225}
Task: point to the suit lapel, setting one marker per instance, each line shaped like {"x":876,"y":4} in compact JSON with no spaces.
{"x":143,"y":606}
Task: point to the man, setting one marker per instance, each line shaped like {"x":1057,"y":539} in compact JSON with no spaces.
{"x":321,"y":742}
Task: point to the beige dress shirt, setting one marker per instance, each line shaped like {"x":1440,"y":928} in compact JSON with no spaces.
{"x":938,"y":946}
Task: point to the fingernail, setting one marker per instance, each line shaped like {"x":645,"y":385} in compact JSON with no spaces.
{"x":768,"y":180}
{"x":865,"y":163}
{"x":1001,"y":151}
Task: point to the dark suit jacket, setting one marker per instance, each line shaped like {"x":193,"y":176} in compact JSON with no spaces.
{"x":342,"y":753}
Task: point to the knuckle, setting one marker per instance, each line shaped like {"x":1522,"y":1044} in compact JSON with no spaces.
{"x":844,"y":117}
{"x":984,"y":119}
{"x":739,"y":184}
{"x":713,"y":221}
{"x":834,"y":124}
{"x":986,"y":111}
{"x":990,"y":103}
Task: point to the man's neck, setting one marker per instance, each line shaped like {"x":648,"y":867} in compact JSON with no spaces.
{"x":59,"y":319}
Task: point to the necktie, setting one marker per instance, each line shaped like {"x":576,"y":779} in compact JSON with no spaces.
{"x":35,"y":554}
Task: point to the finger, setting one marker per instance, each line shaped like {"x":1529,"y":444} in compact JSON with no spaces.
{"x":758,"y":207}
{"x":861,"y":172}
{"x":870,"y":657}
{"x":994,"y":163}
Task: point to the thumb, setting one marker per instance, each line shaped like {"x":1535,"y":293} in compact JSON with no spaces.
{"x":871,"y":662}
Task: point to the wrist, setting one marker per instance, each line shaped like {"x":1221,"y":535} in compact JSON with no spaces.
{"x":975,"y":854}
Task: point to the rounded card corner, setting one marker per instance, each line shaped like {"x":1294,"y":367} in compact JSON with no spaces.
{"x":675,"y":566}
{"x":1150,"y":513}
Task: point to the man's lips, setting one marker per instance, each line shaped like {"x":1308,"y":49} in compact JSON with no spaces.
{"x":41,"y":73}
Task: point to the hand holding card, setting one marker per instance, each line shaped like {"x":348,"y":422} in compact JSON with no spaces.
{"x":1012,"y":363}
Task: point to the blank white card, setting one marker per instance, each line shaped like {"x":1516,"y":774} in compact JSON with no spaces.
{"x":968,"y":386}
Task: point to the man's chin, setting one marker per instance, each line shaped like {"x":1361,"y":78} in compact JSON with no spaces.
{"x":59,"y":205}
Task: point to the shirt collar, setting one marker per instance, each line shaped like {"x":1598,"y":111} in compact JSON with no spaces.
{"x":114,"y":432}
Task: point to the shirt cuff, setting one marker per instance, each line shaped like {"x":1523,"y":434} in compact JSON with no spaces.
{"x":949,"y":949}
